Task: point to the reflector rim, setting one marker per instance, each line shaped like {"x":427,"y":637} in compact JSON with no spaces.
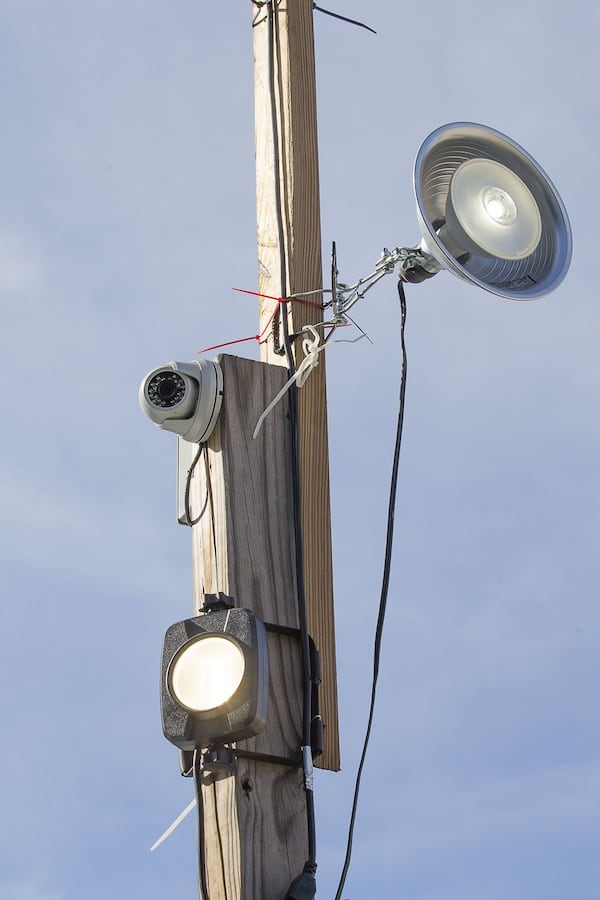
{"x":557,"y":222}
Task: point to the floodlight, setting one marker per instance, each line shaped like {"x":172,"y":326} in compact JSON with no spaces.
{"x":491,"y":211}
{"x":214,"y":679}
{"x":206,"y":672}
{"x":489,"y":214}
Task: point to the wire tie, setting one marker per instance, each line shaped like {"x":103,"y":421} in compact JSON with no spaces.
{"x":311,"y":348}
{"x":308,"y":768}
{"x":259,"y":337}
{"x":174,"y":825}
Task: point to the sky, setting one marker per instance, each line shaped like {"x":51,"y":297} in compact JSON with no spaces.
{"x":127,"y":215}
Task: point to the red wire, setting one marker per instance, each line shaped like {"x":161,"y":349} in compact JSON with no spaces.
{"x":253,"y":337}
{"x":258,"y":337}
{"x":281,"y":299}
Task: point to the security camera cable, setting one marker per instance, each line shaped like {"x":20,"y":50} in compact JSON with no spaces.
{"x":188,"y":487}
{"x":384,"y":589}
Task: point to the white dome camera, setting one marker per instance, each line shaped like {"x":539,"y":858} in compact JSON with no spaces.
{"x":184,"y":398}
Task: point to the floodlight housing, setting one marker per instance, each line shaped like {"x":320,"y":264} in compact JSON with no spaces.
{"x":489,"y":214}
{"x":214,"y":679}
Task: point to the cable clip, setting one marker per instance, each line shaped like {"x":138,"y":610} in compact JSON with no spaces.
{"x":307,"y":760}
{"x":312,"y":348}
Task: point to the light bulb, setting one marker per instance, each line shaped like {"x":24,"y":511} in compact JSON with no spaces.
{"x":490,"y":211}
{"x":499,"y":205}
{"x":207,"y":672}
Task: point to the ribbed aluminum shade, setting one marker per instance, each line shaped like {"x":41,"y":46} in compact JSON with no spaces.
{"x":439,"y":157}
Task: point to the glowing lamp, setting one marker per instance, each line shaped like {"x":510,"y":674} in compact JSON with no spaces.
{"x":489,"y":213}
{"x":214,"y":679}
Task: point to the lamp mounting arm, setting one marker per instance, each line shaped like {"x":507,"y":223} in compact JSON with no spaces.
{"x":415,"y":265}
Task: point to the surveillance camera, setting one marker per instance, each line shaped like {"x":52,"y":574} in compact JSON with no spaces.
{"x":184,"y":398}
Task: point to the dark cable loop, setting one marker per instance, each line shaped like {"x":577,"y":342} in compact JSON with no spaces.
{"x":384,"y":589}
{"x":188,"y":485}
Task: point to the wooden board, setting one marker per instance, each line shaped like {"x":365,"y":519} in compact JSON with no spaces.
{"x":243,"y":545}
{"x":298,"y":191}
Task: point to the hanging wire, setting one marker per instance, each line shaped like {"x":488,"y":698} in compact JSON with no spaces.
{"x":311,"y":348}
{"x":311,"y":864}
{"x":343,"y":18}
{"x":188,"y":485}
{"x":211,"y":502}
{"x":274,"y":64}
{"x":384,"y":589}
{"x":202,"y":885}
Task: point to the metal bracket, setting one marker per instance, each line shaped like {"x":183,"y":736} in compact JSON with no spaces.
{"x":215,"y":602}
{"x":223,"y":756}
{"x":345,"y":296}
{"x":316,"y":722}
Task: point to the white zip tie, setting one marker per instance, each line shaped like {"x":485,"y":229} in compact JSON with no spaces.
{"x":172,"y":827}
{"x":311,"y":348}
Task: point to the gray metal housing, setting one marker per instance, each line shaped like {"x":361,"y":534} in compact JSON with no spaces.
{"x":439,"y":157}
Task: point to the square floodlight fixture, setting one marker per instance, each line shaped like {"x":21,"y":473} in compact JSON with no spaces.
{"x":214,"y":679}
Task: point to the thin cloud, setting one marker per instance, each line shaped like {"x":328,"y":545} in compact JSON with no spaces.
{"x":21,"y":268}
{"x":28,"y":890}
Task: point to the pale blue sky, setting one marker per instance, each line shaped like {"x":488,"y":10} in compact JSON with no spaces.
{"x":127,"y":214}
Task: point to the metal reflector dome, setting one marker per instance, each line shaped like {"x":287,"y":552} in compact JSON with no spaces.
{"x":441,"y":155}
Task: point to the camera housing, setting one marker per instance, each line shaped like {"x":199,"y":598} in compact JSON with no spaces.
{"x":184,"y":397}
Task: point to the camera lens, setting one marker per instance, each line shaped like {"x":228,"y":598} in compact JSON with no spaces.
{"x":166,"y":389}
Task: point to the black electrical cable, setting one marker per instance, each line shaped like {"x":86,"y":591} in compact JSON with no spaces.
{"x":384,"y":589}
{"x":343,"y":18}
{"x":188,"y":485}
{"x":293,"y":395}
{"x":304,"y":886}
{"x":302,"y":616}
{"x":311,"y":865}
{"x":197,"y":767}
{"x":272,"y":19}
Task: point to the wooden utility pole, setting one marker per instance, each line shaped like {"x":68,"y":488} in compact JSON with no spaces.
{"x":288,"y":210}
{"x":243,"y":545}
{"x":242,"y":491}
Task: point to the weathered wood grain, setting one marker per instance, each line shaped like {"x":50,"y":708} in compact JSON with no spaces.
{"x":243,"y":545}
{"x":298,"y":190}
